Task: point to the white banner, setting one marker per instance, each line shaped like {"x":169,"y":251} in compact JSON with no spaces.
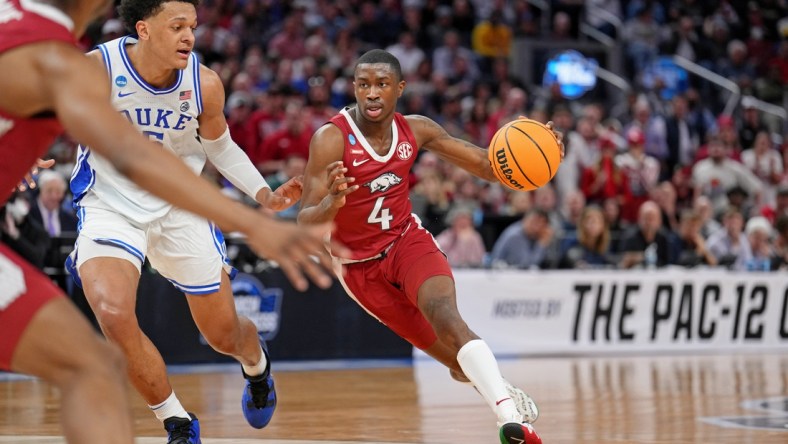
{"x":584,"y":312}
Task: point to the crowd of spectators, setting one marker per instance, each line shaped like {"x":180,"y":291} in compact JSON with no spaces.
{"x":647,"y":182}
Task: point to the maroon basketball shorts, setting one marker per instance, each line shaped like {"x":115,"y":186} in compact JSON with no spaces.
{"x":23,"y":292}
{"x":388,"y":287}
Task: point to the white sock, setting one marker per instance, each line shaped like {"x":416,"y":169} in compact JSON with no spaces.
{"x":479,"y":365}
{"x":256,"y":369}
{"x":169,"y":408}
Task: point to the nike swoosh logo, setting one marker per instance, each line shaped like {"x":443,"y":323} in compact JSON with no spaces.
{"x":120,"y":93}
{"x":357,"y":163}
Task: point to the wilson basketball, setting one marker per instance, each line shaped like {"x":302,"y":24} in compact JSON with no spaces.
{"x":524,"y":154}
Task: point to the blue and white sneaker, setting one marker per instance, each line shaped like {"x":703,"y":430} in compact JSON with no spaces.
{"x":259,"y":399}
{"x":182,"y":431}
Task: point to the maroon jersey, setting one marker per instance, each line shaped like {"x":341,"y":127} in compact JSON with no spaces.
{"x":24,"y":139}
{"x":378,"y":213}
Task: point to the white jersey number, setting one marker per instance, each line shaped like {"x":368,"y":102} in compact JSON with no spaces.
{"x":380,"y":215}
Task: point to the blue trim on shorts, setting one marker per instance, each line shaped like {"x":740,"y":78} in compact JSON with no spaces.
{"x":196,"y":289}
{"x":120,"y":244}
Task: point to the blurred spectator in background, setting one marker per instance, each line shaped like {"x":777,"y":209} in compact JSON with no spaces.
{"x":239,"y":110}
{"x":21,"y":232}
{"x":525,"y":243}
{"x":409,"y":55}
{"x":604,"y":179}
{"x":759,"y":233}
{"x":590,"y":247}
{"x":492,"y":38}
{"x":642,"y":172}
{"x":751,"y":123}
{"x":681,"y":136}
{"x":730,"y":245}
{"x":647,"y":244}
{"x":766,"y":164}
{"x":708,"y":224}
{"x":462,"y":244}
{"x":292,"y":140}
{"x":780,"y":259}
{"x":47,"y":210}
{"x":717,"y":174}
{"x":642,"y":35}
{"x":691,"y":249}
{"x":654,"y":132}
{"x":445,"y":56}
{"x":611,"y":209}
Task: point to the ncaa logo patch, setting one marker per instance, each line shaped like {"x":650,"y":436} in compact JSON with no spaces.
{"x":184,"y":107}
{"x":263,"y":306}
{"x":352,"y":139}
{"x":404,"y":151}
{"x":120,"y":81}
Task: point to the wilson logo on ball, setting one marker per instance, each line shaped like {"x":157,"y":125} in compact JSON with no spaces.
{"x":503,"y":164}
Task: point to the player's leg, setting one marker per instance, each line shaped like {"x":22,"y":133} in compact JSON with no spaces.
{"x":426,"y":279}
{"x":236,"y":336}
{"x":109,"y":255}
{"x":62,"y":348}
{"x":190,"y":252}
{"x":43,"y":334}
{"x":110,"y":286}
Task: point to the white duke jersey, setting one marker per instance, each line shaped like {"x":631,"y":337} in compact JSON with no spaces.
{"x":167,"y":116}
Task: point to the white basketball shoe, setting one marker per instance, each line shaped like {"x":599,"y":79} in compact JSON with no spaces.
{"x":525,"y":404}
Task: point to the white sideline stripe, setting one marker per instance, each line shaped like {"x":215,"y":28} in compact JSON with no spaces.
{"x":59,"y":440}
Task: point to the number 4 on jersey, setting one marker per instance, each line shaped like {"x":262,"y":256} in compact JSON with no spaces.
{"x":380,"y":215}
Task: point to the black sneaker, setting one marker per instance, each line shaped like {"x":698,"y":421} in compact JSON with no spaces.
{"x":182,"y":431}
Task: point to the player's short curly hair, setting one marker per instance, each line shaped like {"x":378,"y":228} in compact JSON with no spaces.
{"x":381,"y":56}
{"x":132,"y":11}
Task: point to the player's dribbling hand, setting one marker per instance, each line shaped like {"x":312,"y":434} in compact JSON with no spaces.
{"x":300,"y":251}
{"x":28,"y":181}
{"x":338,"y":184}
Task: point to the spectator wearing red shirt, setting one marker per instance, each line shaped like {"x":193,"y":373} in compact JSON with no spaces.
{"x":604,"y":179}
{"x":292,"y":140}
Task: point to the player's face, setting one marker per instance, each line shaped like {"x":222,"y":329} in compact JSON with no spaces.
{"x":377,"y":89}
{"x":171,"y":32}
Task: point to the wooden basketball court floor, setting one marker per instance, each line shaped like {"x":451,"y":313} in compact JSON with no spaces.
{"x":740,"y":398}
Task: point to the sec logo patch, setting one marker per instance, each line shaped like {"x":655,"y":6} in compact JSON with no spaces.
{"x":404,"y":151}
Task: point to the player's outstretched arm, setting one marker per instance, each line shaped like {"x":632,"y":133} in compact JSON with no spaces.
{"x":78,"y":90}
{"x":325,"y":183}
{"x":228,"y":157}
{"x":431,"y":136}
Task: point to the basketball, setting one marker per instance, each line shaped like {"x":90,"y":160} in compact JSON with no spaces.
{"x":524,"y":154}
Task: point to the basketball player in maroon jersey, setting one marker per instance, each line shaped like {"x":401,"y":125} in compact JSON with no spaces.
{"x":356,"y":176}
{"x":48,"y":85}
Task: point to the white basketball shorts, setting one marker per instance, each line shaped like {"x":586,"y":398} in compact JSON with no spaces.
{"x":184,"y":248}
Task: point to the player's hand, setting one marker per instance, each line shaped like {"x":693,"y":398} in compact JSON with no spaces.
{"x":559,"y":136}
{"x":286,"y":195}
{"x":28,"y":181}
{"x":339,"y":185}
{"x":300,"y":251}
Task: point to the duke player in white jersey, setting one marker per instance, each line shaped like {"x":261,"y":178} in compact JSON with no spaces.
{"x":160,"y":87}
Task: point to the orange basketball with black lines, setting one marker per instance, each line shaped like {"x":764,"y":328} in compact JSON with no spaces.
{"x":524,"y":154}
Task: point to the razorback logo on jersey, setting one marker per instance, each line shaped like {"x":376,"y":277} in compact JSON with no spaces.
{"x":383,"y":182}
{"x":5,"y":124}
{"x":8,"y":12}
